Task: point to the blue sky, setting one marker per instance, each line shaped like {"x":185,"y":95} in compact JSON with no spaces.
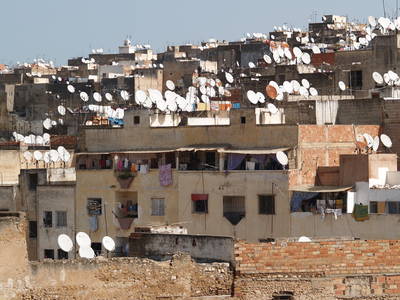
{"x":59,"y":29}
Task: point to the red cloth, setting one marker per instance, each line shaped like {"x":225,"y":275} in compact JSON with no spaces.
{"x":199,"y":197}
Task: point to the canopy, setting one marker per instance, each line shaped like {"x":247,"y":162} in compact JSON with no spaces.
{"x":320,"y":189}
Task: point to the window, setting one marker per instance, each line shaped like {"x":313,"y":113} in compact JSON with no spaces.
{"x":200,"y":203}
{"x":234,"y":208}
{"x":243,"y":120}
{"x":48,"y":219}
{"x":61,"y":218}
{"x":94,"y":206}
{"x":157,"y":207}
{"x":96,"y":248}
{"x":61,"y":254}
{"x":32,"y":229}
{"x":266,"y":204}
{"x":33,"y":181}
{"x":136,"y":120}
{"x":356,"y":80}
{"x":49,"y":253}
{"x":393,"y":207}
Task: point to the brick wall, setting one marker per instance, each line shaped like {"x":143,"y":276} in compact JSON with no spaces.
{"x":320,"y":270}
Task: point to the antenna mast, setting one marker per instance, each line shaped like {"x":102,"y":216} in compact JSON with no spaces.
{"x":384,"y":9}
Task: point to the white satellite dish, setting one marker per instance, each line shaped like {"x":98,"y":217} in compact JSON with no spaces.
{"x":65,"y":156}
{"x":170,"y":85}
{"x":297,"y":52}
{"x":375,"y":144}
{"x":251,"y":95}
{"x":372,"y":21}
{"x":288,"y":54}
{"x":260,"y":97}
{"x":304,"y":92}
{"x":377,"y":78}
{"x":38,"y":155}
{"x":108,"y":243}
{"x":47,"y":123}
{"x":342,"y":86}
{"x":86,"y":252}
{"x":304,"y":239}
{"x":71,"y":88}
{"x":316,"y":50}
{"x":386,"y":78}
{"x":54,"y":156}
{"x":282,"y":158}
{"x":84,"y":96}
{"x":251,"y":65}
{"x":288,"y":87}
{"x":313,"y":92}
{"x":59,"y":79}
{"x":306,"y":58}
{"x":267,"y":59}
{"x":124,"y":95}
{"x":140,"y":97}
{"x":39,"y":140}
{"x":229,"y":77}
{"x":83,"y":239}
{"x":61,"y":150}
{"x":65,"y":243}
{"x":272,"y":108}
{"x":28,"y":156}
{"x":46,"y":157}
{"x":61,"y":110}
{"x":108,"y":97}
{"x":296,"y":86}
{"x":368,"y":139}
{"x":97,"y":96}
{"x":386,"y":141}
{"x":46,"y":138}
{"x":305,"y":83}
{"x":393,"y":76}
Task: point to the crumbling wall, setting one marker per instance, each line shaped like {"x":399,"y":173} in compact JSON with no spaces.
{"x":318,"y":270}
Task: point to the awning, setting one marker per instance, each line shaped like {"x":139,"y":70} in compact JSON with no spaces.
{"x":200,"y":148}
{"x":320,"y":189}
{"x":149,"y":151}
{"x":199,"y":197}
{"x":91,"y":153}
{"x":253,"y":151}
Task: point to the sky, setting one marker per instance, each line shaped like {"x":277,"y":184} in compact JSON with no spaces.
{"x":61,"y":29}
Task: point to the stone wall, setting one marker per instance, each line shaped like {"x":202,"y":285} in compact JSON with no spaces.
{"x":318,"y":270}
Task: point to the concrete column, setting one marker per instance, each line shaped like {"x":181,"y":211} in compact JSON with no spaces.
{"x":221,"y":161}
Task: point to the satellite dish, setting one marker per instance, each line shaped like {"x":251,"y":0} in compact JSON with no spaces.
{"x":288,"y":54}
{"x":368,"y":139}
{"x":296,"y":86}
{"x":65,"y":243}
{"x":260,"y":97}
{"x":372,"y":21}
{"x":229,"y":77}
{"x":61,"y":110}
{"x":46,"y":157}
{"x":272,"y":108}
{"x":61,"y":150}
{"x":316,"y":50}
{"x":86,"y":252}
{"x":59,"y":79}
{"x":375,"y":144}
{"x":38,"y":155}
{"x":282,"y":158}
{"x":97,"y":97}
{"x":386,"y":78}
{"x":251,"y":65}
{"x":342,"y":86}
{"x":108,"y":243}
{"x":313,"y":92}
{"x":386,"y":141}
{"x":28,"y":156}
{"x":54,"y":156}
{"x":83,"y":239}
{"x":377,"y":78}
{"x":251,"y":95}
{"x":71,"y":89}
{"x":306,"y":58}
{"x":47,"y":124}
{"x":84,"y":96}
{"x":267,"y":59}
{"x":271,"y":91}
{"x":305,"y":83}
{"x":170,"y":85}
{"x":204,"y":98}
{"x":140,"y":97}
{"x":287,"y":87}
{"x":304,"y":239}
{"x":108,"y":97}
{"x":65,"y":156}
{"x":297,"y":52}
{"x":46,"y":138}
{"x":304,"y":92}
{"x":393,"y":76}
{"x":39,"y":140}
{"x":124,"y":95}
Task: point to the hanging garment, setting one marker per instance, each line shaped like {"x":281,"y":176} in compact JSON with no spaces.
{"x":120,"y":165}
{"x":165,"y":175}
{"x":93,"y":223}
{"x":126,"y":163}
{"x":360,"y":212}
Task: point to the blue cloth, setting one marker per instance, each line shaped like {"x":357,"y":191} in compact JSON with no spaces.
{"x":234,"y":160}
{"x":298,"y":198}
